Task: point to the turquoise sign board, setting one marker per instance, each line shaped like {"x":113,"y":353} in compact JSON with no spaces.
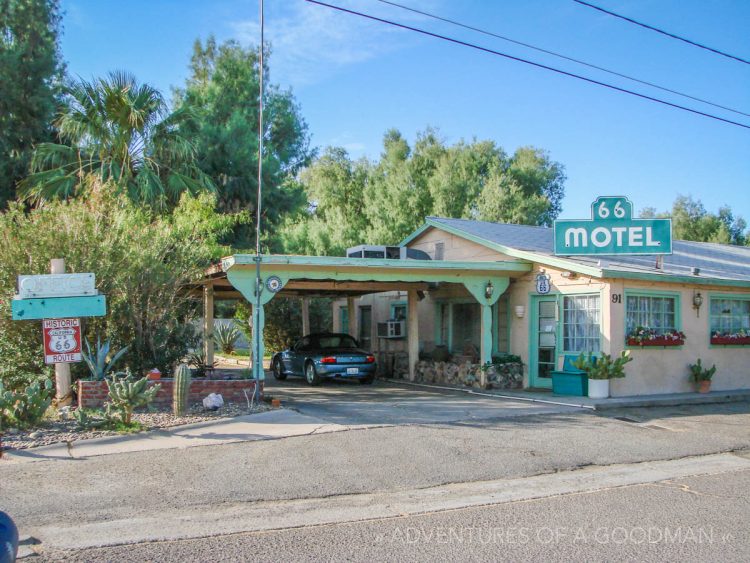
{"x":612,"y":230}
{"x":59,"y":307}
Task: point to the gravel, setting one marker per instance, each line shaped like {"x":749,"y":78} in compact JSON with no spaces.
{"x":67,"y":430}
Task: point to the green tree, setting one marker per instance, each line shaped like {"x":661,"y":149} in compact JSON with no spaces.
{"x":223,"y":92}
{"x":143,"y":262}
{"x":527,"y":190}
{"x":31,"y":72}
{"x":123,"y":133}
{"x":691,"y":221}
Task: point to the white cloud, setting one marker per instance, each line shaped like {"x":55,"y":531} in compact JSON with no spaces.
{"x":309,"y":41}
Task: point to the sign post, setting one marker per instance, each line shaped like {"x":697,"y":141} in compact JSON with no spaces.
{"x":612,"y":230}
{"x":62,"y":369}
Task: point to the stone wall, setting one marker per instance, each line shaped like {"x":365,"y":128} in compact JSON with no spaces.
{"x":93,"y":394}
{"x":499,"y":376}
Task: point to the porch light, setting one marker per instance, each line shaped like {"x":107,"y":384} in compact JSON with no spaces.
{"x":489,"y":290}
{"x":520,"y":311}
{"x":697,"y":303}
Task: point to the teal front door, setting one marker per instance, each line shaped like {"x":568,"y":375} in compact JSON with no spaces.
{"x":543,"y":340}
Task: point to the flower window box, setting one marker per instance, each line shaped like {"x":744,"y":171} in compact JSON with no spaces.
{"x":730,"y":340}
{"x":657,"y":341}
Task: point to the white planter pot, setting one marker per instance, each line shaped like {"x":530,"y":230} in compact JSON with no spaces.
{"x":598,"y":388}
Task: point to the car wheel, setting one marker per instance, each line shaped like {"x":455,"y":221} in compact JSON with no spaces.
{"x":277,"y":369}
{"x":311,"y":375}
{"x":367,"y":380}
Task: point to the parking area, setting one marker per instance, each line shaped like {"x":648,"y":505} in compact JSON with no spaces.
{"x":385,"y":402}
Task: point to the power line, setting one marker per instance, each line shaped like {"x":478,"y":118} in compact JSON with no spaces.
{"x":657,"y":30}
{"x":525,"y":61}
{"x":561,"y":56}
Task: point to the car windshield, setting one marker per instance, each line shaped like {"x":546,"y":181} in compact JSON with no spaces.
{"x":337,"y":341}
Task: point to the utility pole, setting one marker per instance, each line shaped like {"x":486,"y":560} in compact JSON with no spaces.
{"x":258,"y":371}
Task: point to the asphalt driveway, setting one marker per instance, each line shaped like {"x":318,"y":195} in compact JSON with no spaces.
{"x":383,"y":402}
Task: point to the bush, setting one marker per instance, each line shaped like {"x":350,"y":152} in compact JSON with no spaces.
{"x":127,"y":394}
{"x":27,"y":407}
{"x":142,"y":263}
{"x":226,"y":336}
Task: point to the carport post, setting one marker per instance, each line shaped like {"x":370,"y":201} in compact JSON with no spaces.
{"x":351,"y":312}
{"x":305,"y":316}
{"x":486,"y":351}
{"x":412,"y":332}
{"x":259,"y":320}
{"x":208,"y":324}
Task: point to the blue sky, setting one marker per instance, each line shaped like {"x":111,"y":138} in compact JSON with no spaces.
{"x":354,"y":79}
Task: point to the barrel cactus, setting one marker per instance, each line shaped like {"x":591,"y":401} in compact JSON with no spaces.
{"x":181,"y":389}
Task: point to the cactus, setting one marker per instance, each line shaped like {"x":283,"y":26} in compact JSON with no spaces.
{"x":127,"y":394}
{"x":181,"y":389}
{"x":27,"y":407}
{"x":101,"y":363}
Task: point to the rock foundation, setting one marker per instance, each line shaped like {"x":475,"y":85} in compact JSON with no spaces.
{"x":499,"y":376}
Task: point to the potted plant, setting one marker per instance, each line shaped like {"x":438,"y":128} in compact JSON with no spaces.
{"x":601,"y":369}
{"x":645,"y":336}
{"x":702,"y":376}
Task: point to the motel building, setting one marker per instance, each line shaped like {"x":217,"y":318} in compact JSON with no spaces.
{"x":457,"y":294}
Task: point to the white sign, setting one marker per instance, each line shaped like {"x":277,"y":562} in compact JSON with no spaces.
{"x":542,"y":284}
{"x":62,"y":340}
{"x":56,"y":285}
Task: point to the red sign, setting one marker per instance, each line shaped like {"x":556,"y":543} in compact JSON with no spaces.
{"x":62,"y":341}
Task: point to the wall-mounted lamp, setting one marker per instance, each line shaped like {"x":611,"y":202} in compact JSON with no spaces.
{"x":489,"y":290}
{"x":697,"y":302}
{"x":569,"y":275}
{"x":520,"y":311}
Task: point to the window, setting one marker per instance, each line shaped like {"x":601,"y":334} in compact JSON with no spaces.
{"x":336,"y":341}
{"x":730,"y":316}
{"x":439,"y":251}
{"x":649,"y":311}
{"x":365,"y":327}
{"x":581,"y":330}
{"x":398,"y":311}
{"x":344,"y":319}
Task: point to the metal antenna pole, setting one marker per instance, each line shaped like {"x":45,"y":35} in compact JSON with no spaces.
{"x":258,"y":282}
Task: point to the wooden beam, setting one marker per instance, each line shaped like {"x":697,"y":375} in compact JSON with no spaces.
{"x":305,"y":316}
{"x":412,"y":332}
{"x":208,"y":324}
{"x":361,"y":286}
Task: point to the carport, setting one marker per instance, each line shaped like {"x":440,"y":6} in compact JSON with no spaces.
{"x":327,"y":276}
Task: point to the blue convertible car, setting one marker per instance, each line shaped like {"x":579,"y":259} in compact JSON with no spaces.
{"x":319,"y":356}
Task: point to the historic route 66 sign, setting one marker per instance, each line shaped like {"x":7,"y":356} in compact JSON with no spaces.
{"x":542,"y":284}
{"x":274,"y":285}
{"x":62,"y":340}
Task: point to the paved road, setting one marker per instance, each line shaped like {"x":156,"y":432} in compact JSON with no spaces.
{"x":406,"y":456}
{"x":692,"y":519}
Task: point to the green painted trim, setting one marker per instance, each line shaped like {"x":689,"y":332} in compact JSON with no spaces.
{"x":416,"y":233}
{"x":669,"y":278}
{"x":650,"y":293}
{"x":58,"y":307}
{"x":534,"y":299}
{"x":509,"y":314}
{"x":552,"y":261}
{"x":394,"y":304}
{"x":366,"y":264}
{"x":496,"y":332}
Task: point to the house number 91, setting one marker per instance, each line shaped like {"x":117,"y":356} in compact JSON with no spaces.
{"x":617,"y":298}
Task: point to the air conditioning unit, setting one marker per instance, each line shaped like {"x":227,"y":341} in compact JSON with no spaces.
{"x":392,"y":329}
{"x":386,"y":252}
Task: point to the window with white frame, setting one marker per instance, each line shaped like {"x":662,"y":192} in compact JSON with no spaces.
{"x":651,"y":311}
{"x":581,"y":325}
{"x":729,"y":316}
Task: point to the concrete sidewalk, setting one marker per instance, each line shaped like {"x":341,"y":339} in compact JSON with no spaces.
{"x":281,"y":423}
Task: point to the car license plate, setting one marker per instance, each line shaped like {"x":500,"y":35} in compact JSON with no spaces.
{"x":352,"y":371}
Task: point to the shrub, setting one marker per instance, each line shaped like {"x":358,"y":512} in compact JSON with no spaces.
{"x":142,"y":261}
{"x":698,"y":373}
{"x":226,"y":336}
{"x":25,"y":408}
{"x":603,"y":366}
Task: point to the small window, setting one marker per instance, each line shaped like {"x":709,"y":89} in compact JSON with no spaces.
{"x":730,"y":317}
{"x":398,"y":311}
{"x":654,"y":312}
{"x":581,"y":330}
{"x":439,"y":250}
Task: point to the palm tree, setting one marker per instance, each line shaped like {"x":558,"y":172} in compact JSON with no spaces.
{"x":123,"y":133}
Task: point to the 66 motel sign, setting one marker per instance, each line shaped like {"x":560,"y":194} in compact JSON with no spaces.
{"x":62,"y":341}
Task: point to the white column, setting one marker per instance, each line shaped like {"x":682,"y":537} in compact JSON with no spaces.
{"x":208,"y":324}
{"x":486,"y":351}
{"x":305,"y":316}
{"x":63,"y":396}
{"x":412,"y":332}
